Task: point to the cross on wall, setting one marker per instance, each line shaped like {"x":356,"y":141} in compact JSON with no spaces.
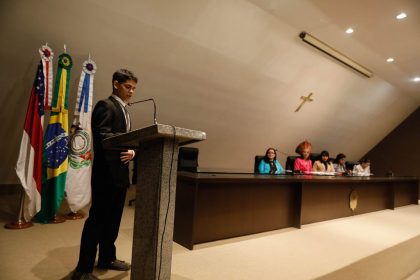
{"x":304,"y":100}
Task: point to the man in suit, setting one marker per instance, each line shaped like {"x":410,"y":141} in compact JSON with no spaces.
{"x":110,"y":180}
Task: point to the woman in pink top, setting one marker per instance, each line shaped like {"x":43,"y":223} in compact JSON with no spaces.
{"x":303,"y":164}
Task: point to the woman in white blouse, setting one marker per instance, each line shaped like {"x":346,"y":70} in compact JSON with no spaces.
{"x":340,"y":164}
{"x":362,"y":169}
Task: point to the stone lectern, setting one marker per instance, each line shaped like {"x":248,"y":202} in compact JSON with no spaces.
{"x":157,"y":152}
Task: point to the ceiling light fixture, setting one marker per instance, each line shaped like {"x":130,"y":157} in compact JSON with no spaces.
{"x":401,"y":16}
{"x":389,"y":59}
{"x":349,"y":30}
{"x":416,"y":79}
{"x":311,"y":40}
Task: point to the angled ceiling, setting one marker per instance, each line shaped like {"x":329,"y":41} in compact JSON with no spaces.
{"x":377,"y":35}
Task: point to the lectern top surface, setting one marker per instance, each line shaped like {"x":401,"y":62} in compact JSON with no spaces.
{"x":133,"y":139}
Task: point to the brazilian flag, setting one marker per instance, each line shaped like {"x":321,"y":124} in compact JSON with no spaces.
{"x":56,"y":144}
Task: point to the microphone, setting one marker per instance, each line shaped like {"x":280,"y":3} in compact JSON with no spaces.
{"x":145,"y":100}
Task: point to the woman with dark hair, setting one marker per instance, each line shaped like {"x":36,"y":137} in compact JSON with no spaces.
{"x":323,"y":164}
{"x":269,"y":164}
{"x":304,"y":163}
{"x":362,"y":169}
{"x":340,"y":164}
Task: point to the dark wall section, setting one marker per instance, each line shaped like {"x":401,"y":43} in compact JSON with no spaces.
{"x":399,"y":151}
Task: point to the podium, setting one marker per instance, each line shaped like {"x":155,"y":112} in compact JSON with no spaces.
{"x":157,"y":151}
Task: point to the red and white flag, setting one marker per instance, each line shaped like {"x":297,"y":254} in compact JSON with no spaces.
{"x":29,"y":164}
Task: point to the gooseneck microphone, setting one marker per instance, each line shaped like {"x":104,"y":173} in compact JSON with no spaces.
{"x":145,"y":100}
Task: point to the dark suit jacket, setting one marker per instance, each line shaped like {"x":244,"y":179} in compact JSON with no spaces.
{"x":108,"y":171}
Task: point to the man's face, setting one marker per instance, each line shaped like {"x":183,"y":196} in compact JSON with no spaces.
{"x":365,"y":164}
{"x":125,"y":90}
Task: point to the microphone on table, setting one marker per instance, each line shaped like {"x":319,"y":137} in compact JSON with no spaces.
{"x":145,"y":100}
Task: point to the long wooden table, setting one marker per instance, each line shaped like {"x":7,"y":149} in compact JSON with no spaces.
{"x":214,"y":206}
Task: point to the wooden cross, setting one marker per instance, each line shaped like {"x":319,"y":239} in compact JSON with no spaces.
{"x":304,"y":99}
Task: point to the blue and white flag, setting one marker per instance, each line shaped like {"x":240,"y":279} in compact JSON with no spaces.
{"x":78,"y":188}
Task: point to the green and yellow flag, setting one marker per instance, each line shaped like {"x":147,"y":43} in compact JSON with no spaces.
{"x":56,"y":139}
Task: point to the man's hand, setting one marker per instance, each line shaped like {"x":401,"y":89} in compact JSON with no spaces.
{"x":127,"y":156}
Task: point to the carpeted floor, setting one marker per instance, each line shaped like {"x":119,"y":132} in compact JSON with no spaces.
{"x":379,"y":245}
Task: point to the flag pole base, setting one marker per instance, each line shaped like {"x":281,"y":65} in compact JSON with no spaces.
{"x":57,"y":220}
{"x":18,"y":225}
{"x":75,"y":216}
{"x":21,"y":222}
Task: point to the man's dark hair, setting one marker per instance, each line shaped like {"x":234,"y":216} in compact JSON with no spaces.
{"x":123,"y":75}
{"x":364,"y":160}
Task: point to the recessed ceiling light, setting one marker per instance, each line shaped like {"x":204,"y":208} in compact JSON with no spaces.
{"x":416,"y":79}
{"x":389,"y":59}
{"x":401,"y":16}
{"x":349,"y":30}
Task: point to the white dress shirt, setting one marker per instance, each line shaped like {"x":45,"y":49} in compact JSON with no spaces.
{"x":359,"y":171}
{"x":126,"y":116}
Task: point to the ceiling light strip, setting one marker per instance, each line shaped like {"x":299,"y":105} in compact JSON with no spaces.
{"x":311,"y":40}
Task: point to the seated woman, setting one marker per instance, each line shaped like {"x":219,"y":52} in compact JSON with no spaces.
{"x":323,"y":164}
{"x":303,"y":164}
{"x":362,"y":169}
{"x":269,"y":164}
{"x":340,"y":164}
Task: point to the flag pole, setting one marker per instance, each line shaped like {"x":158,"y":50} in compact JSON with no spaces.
{"x":21,"y":223}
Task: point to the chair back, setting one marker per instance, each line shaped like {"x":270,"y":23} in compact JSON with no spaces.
{"x":188,"y":159}
{"x":290,"y":162}
{"x":351,"y":164}
{"x":257,"y":163}
{"x":314,"y":157}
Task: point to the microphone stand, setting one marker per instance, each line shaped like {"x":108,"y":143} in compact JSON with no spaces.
{"x":154,"y":107}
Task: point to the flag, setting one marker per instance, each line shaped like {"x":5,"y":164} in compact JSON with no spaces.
{"x":28,"y":167}
{"x":29,"y":163}
{"x":47,"y":65}
{"x":78,"y":189}
{"x":56,"y":141}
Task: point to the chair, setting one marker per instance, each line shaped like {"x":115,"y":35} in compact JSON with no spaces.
{"x":314,"y":157}
{"x":351,"y":164}
{"x":290,"y":162}
{"x":188,"y":159}
{"x":257,"y":163}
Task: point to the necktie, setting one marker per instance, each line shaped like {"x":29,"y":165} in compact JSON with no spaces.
{"x":127,"y":119}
